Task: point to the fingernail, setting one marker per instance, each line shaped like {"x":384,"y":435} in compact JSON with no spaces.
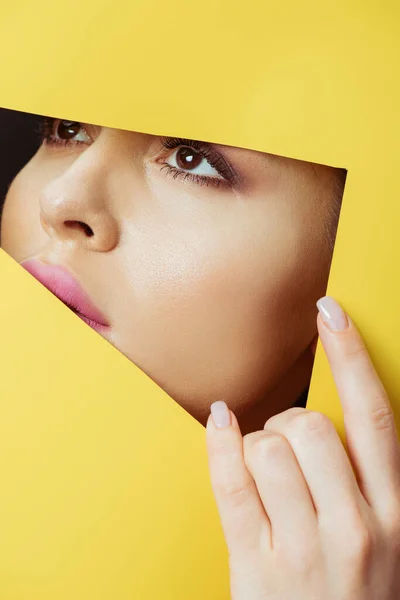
{"x":220,"y":414}
{"x":332,"y":314}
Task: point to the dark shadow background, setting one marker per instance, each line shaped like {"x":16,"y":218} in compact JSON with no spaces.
{"x":19,"y":140}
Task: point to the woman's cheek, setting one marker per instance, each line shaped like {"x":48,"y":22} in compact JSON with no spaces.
{"x":218,"y":319}
{"x":22,"y":235}
{"x":16,"y":225}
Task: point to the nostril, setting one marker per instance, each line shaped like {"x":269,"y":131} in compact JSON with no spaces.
{"x":88,"y":231}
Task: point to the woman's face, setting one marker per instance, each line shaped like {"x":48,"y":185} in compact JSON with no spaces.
{"x":204,"y":261}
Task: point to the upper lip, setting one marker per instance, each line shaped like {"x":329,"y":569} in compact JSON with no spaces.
{"x":63,"y":285}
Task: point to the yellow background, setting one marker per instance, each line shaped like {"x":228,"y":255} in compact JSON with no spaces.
{"x":104,"y":480}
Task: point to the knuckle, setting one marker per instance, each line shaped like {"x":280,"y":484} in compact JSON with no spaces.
{"x":265,"y":444}
{"x":300,"y":556}
{"x":235,"y":492}
{"x":250,"y":441}
{"x":299,"y":422}
{"x":382,"y":415}
{"x":359,"y":543}
{"x":263,"y":449}
{"x":312,"y":422}
{"x":355,"y":349}
{"x":224,"y":451}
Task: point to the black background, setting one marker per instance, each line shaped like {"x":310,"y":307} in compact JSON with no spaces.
{"x":19,"y":140}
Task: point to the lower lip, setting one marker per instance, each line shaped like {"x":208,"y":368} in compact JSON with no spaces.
{"x":40,"y":272}
{"x":93,"y":324}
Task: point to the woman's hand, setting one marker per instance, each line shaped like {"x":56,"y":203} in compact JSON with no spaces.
{"x":300,"y":523}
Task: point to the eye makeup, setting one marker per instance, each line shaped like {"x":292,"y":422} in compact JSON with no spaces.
{"x":198,"y":150}
{"x":59,"y":132}
{"x":192,"y":157}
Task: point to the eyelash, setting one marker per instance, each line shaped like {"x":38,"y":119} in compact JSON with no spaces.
{"x":175,"y":173}
{"x":216,"y":161}
{"x":45,"y":130}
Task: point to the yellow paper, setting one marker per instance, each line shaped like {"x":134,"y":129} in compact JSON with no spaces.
{"x":105,"y":480}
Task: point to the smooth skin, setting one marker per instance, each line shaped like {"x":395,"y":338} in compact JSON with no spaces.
{"x":209,"y":289}
{"x":303,"y":519}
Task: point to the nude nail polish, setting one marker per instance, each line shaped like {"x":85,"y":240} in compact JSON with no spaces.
{"x":332,"y":314}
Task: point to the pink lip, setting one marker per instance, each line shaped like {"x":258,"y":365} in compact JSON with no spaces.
{"x":61,"y":283}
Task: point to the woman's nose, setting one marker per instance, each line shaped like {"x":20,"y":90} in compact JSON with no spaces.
{"x":75,"y":207}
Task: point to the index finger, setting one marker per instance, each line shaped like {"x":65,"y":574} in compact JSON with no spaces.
{"x":368,"y":417}
{"x":239,"y":505}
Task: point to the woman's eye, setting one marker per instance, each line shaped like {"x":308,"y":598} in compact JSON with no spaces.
{"x":70,"y":131}
{"x":188,"y":159}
